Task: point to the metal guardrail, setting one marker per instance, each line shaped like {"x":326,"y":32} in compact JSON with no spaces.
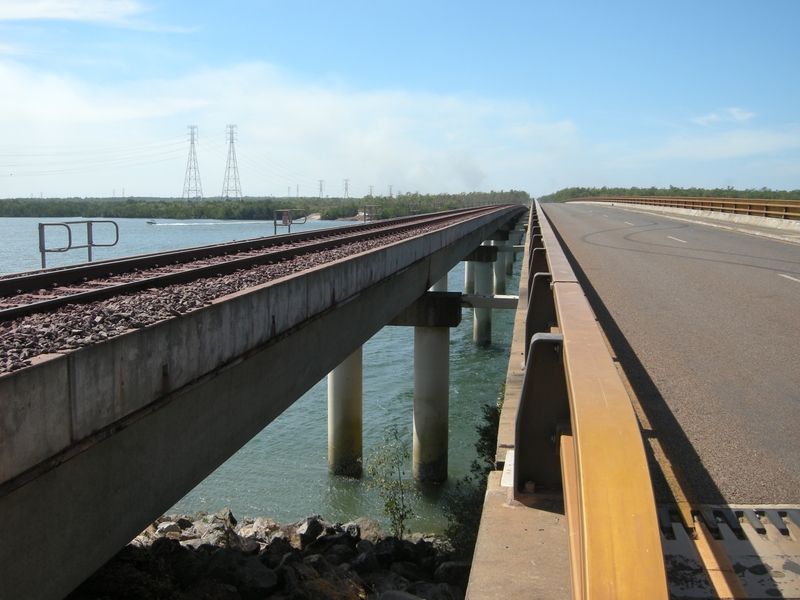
{"x":373,"y":212}
{"x":576,"y":431}
{"x":288,"y":218}
{"x":775,"y":209}
{"x":90,"y":243}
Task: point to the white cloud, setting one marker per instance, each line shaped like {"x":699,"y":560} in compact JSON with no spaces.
{"x":10,"y":50}
{"x":413,"y":141}
{"x":109,"y":11}
{"x":728,"y":115}
{"x":295,"y":132}
{"x":730,"y":144}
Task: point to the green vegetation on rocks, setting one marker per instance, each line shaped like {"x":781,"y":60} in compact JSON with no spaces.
{"x":463,"y":505}
{"x":387,"y":468}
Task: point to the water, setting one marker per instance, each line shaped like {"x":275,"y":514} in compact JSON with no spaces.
{"x":282,"y":472}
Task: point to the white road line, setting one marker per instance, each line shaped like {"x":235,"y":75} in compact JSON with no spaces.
{"x":677,"y":240}
{"x":789,"y":277}
{"x":606,"y":216}
{"x":626,"y":222}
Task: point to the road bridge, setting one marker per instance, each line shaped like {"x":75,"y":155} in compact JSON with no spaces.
{"x":694,"y":316}
{"x":99,"y":441}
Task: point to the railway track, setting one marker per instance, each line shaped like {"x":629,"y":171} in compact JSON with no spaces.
{"x":49,"y":289}
{"x":53,"y":310}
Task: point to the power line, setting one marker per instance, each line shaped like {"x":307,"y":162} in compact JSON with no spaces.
{"x":192,"y":188}
{"x":231,"y":184}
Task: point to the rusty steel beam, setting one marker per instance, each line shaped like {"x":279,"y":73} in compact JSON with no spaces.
{"x":775,"y":209}
{"x":620,"y":548}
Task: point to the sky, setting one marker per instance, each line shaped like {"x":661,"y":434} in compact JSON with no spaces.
{"x":96,"y":96}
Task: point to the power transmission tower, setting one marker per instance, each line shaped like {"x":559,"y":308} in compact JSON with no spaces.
{"x":231,"y":187}
{"x":346,"y":188}
{"x":192,"y":189}
{"x":390,"y":191}
{"x":321,"y":186}
{"x":370,"y":190}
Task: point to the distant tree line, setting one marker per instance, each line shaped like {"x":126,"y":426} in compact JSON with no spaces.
{"x":250,"y":208}
{"x":692,"y":192}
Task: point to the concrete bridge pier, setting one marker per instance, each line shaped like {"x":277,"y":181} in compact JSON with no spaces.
{"x":514,"y":239}
{"x":482,"y":320}
{"x":431,"y":316}
{"x":482,"y":257}
{"x":345,"y":423}
{"x":499,"y":239}
{"x":469,"y":277}
{"x":431,"y":403}
{"x":440,"y":286}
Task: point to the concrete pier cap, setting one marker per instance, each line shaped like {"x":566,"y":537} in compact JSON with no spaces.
{"x":431,"y":316}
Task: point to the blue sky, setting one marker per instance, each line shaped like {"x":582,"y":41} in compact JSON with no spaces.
{"x":96,"y":95}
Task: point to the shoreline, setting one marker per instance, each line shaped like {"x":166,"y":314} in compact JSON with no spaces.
{"x":217,"y":557}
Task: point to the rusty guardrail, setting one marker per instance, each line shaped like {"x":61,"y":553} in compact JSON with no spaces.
{"x":576,"y":431}
{"x":775,"y":209}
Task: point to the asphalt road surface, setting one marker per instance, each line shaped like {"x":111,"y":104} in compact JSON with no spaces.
{"x":706,"y":324}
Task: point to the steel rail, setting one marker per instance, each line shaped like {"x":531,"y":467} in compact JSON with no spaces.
{"x":775,"y":209}
{"x":318,"y":241}
{"x":609,"y":496}
{"x":38,"y":279}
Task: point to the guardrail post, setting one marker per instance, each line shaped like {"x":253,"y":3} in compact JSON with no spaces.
{"x":541,"y":314}
{"x":41,"y":246}
{"x":542,"y":412}
{"x":345,"y":417}
{"x":538,"y":264}
{"x":89,"y":240}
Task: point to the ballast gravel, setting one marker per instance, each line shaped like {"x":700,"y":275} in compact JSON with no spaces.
{"x":80,"y":325}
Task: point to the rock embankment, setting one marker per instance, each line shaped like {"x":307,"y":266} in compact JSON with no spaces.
{"x":214,"y":557}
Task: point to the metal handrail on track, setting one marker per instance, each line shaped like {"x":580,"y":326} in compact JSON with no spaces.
{"x":316,"y":240}
{"x":583,"y":414}
{"x":775,"y":209}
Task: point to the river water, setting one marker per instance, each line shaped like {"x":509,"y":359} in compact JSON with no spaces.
{"x":282,"y":472}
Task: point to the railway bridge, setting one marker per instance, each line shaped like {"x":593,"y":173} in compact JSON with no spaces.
{"x":120,"y":405}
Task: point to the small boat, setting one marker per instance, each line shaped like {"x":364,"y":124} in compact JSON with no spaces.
{"x":151,"y":222}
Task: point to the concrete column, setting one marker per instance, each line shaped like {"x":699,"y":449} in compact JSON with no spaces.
{"x":499,"y":270}
{"x":511,"y":256}
{"x":482,"y":320}
{"x":431,"y":399}
{"x":344,"y":417}
{"x":516,"y":238}
{"x":440,"y":286}
{"x":469,"y":277}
